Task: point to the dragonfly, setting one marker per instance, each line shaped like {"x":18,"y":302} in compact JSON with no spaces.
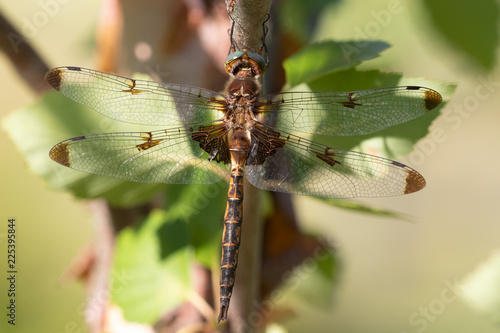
{"x":241,"y":133}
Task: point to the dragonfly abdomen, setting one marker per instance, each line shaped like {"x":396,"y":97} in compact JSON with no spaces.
{"x":239,"y":146}
{"x":231,"y":237}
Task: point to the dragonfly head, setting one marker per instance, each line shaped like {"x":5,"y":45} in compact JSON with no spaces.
{"x":245,"y":60}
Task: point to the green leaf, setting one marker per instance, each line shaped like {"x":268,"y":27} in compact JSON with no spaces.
{"x":202,"y":209}
{"x":295,"y":17}
{"x":151,"y":271}
{"x":36,"y":129}
{"x":470,"y":26}
{"x":323,"y":58}
{"x":156,"y":255}
{"x":315,"y":279}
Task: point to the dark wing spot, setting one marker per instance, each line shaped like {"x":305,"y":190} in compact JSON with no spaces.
{"x":212,"y":140}
{"x":148,"y":144}
{"x":53,"y":77}
{"x":135,"y":91}
{"x":350,"y":104}
{"x":401,"y":165}
{"x":327,"y":156}
{"x":432,"y":99}
{"x":74,"y":68}
{"x":413,"y":88}
{"x":77,"y":138}
{"x":414,"y":181}
{"x":132,"y":89}
{"x":60,"y":154}
{"x":264,"y":143}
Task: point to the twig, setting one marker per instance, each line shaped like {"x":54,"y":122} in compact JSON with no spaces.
{"x":24,"y":58}
{"x":98,"y":279}
{"x":249,"y":17}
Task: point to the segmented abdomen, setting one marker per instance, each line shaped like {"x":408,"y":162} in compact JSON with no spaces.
{"x":231,"y":239}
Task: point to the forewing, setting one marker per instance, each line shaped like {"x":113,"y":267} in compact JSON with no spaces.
{"x":346,"y":113}
{"x":137,"y":101}
{"x":167,"y":156}
{"x":307,"y":168}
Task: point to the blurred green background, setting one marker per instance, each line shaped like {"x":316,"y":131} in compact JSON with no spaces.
{"x":396,"y":275}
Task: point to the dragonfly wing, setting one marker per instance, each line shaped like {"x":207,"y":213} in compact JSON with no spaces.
{"x":308,"y":168}
{"x":347,"y":113}
{"x":167,"y":156}
{"x":137,"y":101}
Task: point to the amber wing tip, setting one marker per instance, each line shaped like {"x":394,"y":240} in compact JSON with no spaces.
{"x":414,"y":182}
{"x":53,"y":77}
{"x":59,"y":153}
{"x":432,"y":99}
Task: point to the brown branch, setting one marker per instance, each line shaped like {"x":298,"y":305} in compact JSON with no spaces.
{"x":249,"y":16}
{"x":98,"y":279}
{"x":24,"y":58}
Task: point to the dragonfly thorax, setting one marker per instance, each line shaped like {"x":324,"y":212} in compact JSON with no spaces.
{"x":242,"y":92}
{"x":247,"y":87}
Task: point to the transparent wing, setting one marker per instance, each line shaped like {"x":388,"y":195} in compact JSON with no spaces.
{"x":137,"y":101}
{"x":308,"y":168}
{"x":167,"y":156}
{"x":347,"y":113}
